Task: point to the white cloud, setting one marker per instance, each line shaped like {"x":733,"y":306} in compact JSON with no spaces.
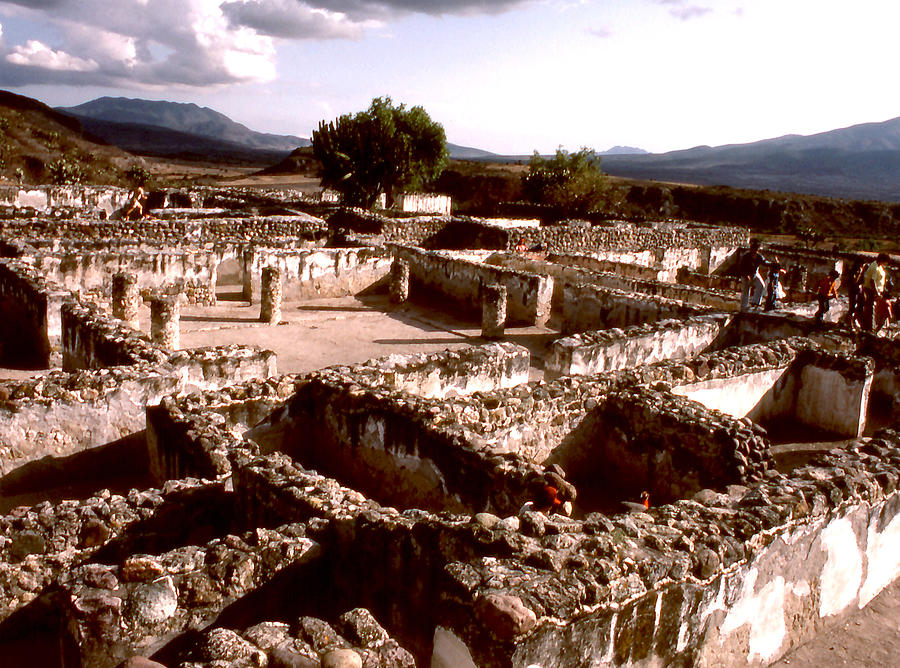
{"x":36,"y":54}
{"x":204,"y":42}
{"x":138,"y":44}
{"x":291,"y":19}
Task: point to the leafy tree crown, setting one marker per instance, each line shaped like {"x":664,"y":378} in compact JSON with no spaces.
{"x":381,"y":150}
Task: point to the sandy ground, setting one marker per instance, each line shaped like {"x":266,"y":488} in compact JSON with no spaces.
{"x":346,"y":330}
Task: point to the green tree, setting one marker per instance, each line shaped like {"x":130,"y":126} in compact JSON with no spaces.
{"x":384,"y":149}
{"x":570,"y":182}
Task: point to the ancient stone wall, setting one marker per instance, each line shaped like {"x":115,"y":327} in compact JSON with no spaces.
{"x":633,"y":237}
{"x":295,"y":230}
{"x":93,"y":340}
{"x":729,"y":596}
{"x":563,"y":275}
{"x":106,"y":199}
{"x":645,"y":272}
{"x":30,"y":329}
{"x":589,"y":307}
{"x":315,"y":273}
{"x":425,"y":203}
{"x":460,"y":280}
{"x":731,"y":284}
{"x":191,"y":272}
{"x":38,"y":543}
{"x":612,"y":349}
{"x":822,"y":390}
{"x":147,"y":600}
{"x":644,"y":439}
{"x":64,"y":413}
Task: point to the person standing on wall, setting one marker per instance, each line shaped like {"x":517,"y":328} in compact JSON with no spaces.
{"x":774,"y":291}
{"x":748,"y":270}
{"x":854,"y":288}
{"x":874,"y":283}
{"x":826,"y":290}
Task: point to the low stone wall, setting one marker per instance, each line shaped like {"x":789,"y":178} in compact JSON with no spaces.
{"x":738,"y":598}
{"x":564,"y":274}
{"x":697,"y":279}
{"x":93,"y":199}
{"x":822,"y":390}
{"x":61,"y":414}
{"x":723,"y":579}
{"x":425,"y":203}
{"x":190,"y":271}
{"x":31,"y":327}
{"x":39,"y":543}
{"x":395,"y":452}
{"x":453,"y":373}
{"x":534,"y":420}
{"x":64,"y":413}
{"x":93,"y":340}
{"x":314,"y":273}
{"x":644,"y":439}
{"x":589,"y":307}
{"x":193,"y":435}
{"x":626,"y":269}
{"x":612,"y":349}
{"x":148,"y":600}
{"x":355,"y":638}
{"x":460,"y":280}
{"x":176,"y":229}
{"x":669,"y":244}
{"x":833,"y":392}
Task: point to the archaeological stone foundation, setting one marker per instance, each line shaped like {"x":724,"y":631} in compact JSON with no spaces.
{"x":200,"y":507}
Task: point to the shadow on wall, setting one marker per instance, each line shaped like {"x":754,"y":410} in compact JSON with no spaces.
{"x":21,"y":347}
{"x":117,"y":466}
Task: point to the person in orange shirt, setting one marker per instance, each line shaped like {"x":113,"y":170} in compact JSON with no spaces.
{"x":826,"y":290}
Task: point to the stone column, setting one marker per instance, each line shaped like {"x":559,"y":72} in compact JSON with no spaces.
{"x":165,"y":316}
{"x":270,"y":296}
{"x":493,"y":311}
{"x":248,"y":257}
{"x":399,"y":281}
{"x":126,"y":298}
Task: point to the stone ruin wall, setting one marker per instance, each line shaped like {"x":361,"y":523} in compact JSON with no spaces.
{"x":735,"y":576}
{"x":588,"y":307}
{"x":780,"y":506}
{"x":621,"y":348}
{"x":460,"y":280}
{"x":34,"y":305}
{"x":563,"y":274}
{"x":315,"y":273}
{"x":189,"y":272}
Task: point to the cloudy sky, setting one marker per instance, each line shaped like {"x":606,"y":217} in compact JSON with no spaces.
{"x":509,"y":76}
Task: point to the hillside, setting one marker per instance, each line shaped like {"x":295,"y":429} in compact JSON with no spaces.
{"x":41,"y":145}
{"x":859,"y":162}
{"x":189,"y":119}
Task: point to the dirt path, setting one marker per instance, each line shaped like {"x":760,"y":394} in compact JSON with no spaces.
{"x":870,"y":638}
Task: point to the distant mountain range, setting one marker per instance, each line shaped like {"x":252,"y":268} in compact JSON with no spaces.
{"x":175,"y":129}
{"x":154,"y":127}
{"x":858,"y":162}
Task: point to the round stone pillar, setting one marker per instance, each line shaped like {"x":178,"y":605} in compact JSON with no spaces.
{"x":248,"y":257}
{"x":165,"y":321}
{"x":493,"y":311}
{"x":270,"y":296}
{"x":126,"y":298}
{"x":399,"y":288}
